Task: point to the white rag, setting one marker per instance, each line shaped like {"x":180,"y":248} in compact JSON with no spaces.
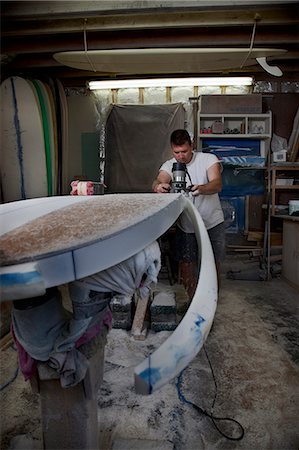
{"x":135,"y":273}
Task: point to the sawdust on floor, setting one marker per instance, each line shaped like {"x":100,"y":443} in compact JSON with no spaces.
{"x":253,"y":354}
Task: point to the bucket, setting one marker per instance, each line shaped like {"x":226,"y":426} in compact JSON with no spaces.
{"x":294,"y":207}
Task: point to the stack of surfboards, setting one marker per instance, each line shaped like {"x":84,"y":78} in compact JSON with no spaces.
{"x":33,"y":123}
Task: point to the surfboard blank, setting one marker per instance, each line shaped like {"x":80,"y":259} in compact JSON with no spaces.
{"x":57,"y":232}
{"x":23,"y":161}
{"x":136,"y":220}
{"x":163,"y":60}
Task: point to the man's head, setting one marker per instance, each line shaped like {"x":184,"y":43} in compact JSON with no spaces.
{"x":181,"y":146}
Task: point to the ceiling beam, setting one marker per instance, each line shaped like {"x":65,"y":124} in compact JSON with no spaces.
{"x":235,"y":17}
{"x":70,"y":7}
{"x":228,"y":37}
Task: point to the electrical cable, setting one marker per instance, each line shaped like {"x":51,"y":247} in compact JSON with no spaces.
{"x":12,"y":379}
{"x":202,"y":411}
{"x":191,"y":184}
{"x":188,"y":176}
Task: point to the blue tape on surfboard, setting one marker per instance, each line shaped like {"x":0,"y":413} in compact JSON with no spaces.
{"x":20,"y":281}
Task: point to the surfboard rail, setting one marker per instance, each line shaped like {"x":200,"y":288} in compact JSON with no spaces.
{"x":189,"y":336}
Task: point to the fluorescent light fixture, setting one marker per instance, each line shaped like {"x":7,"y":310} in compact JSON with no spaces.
{"x":170,"y":82}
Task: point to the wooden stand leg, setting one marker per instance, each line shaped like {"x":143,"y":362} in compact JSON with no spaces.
{"x":69,"y":415}
{"x":69,"y":420}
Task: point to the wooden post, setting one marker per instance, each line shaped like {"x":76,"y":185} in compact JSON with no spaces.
{"x":138,"y":328}
{"x":69,"y":415}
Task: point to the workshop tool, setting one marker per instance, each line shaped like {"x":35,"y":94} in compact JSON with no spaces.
{"x":179,"y":184}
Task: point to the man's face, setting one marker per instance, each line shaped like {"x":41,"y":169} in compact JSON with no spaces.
{"x":182,"y":153}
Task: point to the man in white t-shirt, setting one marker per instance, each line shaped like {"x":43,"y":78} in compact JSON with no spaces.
{"x":204,"y":182}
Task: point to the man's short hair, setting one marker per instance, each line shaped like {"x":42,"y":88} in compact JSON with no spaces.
{"x":180,"y":137}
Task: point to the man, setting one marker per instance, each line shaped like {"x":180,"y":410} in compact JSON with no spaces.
{"x":205,"y":182}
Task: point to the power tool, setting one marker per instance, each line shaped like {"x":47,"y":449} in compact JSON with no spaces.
{"x":179,"y":172}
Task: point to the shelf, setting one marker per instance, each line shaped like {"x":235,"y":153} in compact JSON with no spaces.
{"x":249,"y":126}
{"x":280,"y":196}
{"x":293,"y":187}
{"x":233,"y":136}
{"x":286,"y":217}
{"x":282,"y":193}
{"x":285,"y":166}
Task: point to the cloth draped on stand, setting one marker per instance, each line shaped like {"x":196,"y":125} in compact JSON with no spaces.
{"x":45,"y":331}
{"x":135,"y":273}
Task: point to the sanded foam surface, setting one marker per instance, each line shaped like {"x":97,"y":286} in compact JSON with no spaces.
{"x":76,"y":225}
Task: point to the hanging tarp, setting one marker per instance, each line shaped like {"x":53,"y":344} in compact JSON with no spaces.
{"x":137,"y":143}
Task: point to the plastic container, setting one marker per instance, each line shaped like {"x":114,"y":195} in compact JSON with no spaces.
{"x":293,"y":207}
{"x":280,"y":156}
{"x":284,"y":181}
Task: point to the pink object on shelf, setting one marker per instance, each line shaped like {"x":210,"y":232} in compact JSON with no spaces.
{"x":86,"y":188}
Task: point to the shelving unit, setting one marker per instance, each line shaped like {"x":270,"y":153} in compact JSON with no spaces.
{"x":290,"y":251}
{"x":236,"y":126}
{"x":282,"y":187}
{"x":249,"y":126}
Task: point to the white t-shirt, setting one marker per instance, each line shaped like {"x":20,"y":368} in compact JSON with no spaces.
{"x":209,"y":205}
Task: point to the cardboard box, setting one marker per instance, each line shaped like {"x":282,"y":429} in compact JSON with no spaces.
{"x":230,"y":104}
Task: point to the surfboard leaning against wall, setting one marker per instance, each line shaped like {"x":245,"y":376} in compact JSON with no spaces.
{"x":29,"y":166}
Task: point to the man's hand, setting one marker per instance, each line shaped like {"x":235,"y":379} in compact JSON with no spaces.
{"x":196,"y":189}
{"x":162,"y":188}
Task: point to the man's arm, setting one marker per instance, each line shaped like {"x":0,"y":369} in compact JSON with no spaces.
{"x":161,"y":184}
{"x":214,"y":184}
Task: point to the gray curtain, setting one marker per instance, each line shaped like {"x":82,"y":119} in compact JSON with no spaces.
{"x":137,"y":143}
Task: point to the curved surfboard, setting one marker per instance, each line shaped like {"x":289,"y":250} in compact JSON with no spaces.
{"x":163,"y":60}
{"x":47,"y":242}
{"x":189,"y":336}
{"x":23,"y":161}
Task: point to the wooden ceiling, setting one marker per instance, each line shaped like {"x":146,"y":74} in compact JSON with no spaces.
{"x":32,"y":31}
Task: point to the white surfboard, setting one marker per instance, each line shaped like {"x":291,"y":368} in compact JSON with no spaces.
{"x":163,"y":60}
{"x":186,"y":341}
{"x":11,"y":151}
{"x":47,"y":242}
{"x":71,"y":237}
{"x":23,"y":161}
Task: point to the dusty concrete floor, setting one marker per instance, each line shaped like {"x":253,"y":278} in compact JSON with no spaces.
{"x":253,"y":351}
